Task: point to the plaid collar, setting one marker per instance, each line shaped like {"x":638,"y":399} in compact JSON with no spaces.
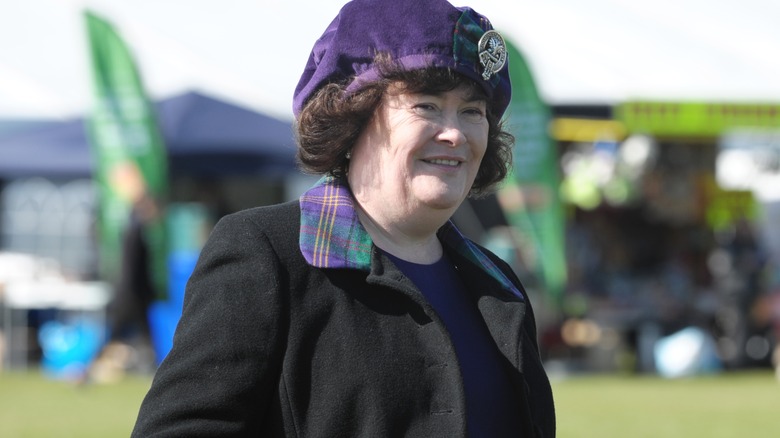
{"x":332,"y":236}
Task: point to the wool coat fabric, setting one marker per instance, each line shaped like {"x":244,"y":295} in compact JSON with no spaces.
{"x":269,"y":345}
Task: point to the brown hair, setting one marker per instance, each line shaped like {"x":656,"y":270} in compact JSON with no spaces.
{"x":331,"y":121}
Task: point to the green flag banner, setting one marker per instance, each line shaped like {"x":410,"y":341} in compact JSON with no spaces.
{"x":130,"y":157}
{"x":530,"y":197}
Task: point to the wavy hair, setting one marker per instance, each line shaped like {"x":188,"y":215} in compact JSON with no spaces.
{"x":331,"y":121}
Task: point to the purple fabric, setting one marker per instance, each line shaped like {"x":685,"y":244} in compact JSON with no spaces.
{"x":416,"y":33}
{"x":331,"y":234}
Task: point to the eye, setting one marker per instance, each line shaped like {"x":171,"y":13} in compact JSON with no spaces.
{"x":425,"y":107}
{"x":475,"y":114}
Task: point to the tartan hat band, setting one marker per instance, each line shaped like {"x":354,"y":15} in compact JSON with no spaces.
{"x":416,"y":34}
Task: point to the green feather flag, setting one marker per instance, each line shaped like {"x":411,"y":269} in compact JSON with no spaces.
{"x":129,"y":153}
{"x":530,"y":197}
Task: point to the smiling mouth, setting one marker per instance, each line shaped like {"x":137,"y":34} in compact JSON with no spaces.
{"x":442,"y":162}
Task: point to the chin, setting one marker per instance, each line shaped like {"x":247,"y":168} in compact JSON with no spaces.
{"x":445,"y":201}
{"x":440,"y":195}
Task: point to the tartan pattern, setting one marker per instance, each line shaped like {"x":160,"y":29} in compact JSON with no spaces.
{"x":465,"y":42}
{"x":331,"y":235}
{"x":451,"y":236}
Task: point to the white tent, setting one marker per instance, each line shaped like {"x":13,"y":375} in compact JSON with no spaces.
{"x":252,"y":52}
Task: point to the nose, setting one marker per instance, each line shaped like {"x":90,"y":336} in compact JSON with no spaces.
{"x":450,"y":132}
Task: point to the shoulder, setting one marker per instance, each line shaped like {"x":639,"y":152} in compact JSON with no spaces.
{"x":280,"y":220}
{"x":278,"y":217}
{"x":273,"y":228}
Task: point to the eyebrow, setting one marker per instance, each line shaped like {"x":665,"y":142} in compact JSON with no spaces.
{"x":474,"y":94}
{"x":470,"y":96}
{"x":476,"y":97}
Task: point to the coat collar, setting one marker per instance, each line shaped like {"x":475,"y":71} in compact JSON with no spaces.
{"x":331,"y":235}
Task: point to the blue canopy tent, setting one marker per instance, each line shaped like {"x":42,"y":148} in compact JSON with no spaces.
{"x":207,"y":139}
{"x":50,"y":149}
{"x":204,"y":137}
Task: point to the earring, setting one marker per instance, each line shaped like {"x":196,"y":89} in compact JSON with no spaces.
{"x":348,"y":155}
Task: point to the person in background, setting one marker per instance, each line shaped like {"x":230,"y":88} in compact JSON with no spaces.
{"x":129,"y":340}
{"x":360,"y":310}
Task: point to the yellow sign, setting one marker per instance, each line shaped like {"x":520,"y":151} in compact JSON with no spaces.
{"x":695,"y":119}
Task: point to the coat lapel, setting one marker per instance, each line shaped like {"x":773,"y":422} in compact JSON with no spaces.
{"x":502,"y":311}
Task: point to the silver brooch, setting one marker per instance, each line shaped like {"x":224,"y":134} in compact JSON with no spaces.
{"x":492,"y":53}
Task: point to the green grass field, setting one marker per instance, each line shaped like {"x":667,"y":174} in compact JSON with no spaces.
{"x":32,"y":405}
{"x":743,"y":405}
{"x":727,"y":405}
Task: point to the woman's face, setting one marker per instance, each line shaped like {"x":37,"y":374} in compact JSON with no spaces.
{"x":419,"y":151}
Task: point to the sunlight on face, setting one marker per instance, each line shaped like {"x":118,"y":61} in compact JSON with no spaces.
{"x":419,"y":154}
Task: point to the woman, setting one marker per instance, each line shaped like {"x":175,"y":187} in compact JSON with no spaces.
{"x":360,"y":310}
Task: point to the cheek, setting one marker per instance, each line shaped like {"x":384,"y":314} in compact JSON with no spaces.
{"x":479,"y":145}
{"x":481,"y":150}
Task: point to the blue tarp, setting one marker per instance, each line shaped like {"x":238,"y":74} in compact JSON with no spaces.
{"x":204,"y":137}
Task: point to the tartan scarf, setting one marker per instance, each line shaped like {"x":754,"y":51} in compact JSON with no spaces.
{"x":331,"y":235}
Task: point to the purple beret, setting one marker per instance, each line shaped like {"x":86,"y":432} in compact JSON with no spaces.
{"x":416,"y":34}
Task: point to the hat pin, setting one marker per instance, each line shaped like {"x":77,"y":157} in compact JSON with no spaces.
{"x":492,"y":53}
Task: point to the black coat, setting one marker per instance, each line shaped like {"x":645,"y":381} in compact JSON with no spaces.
{"x":271,"y":346}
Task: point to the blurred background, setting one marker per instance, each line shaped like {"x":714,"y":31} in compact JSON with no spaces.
{"x":642,"y":214}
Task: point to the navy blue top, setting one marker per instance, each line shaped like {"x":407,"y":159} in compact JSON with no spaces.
{"x":492,"y":405}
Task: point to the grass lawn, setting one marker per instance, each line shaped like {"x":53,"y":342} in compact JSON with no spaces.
{"x":727,"y":405}
{"x":32,"y":406}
